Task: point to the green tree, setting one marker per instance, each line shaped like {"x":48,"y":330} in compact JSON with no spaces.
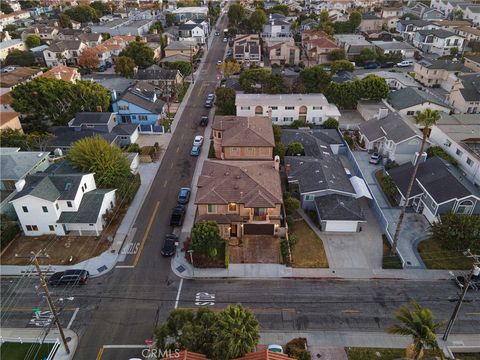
{"x":28,"y":4}
{"x":183,"y":66}
{"x":279,"y":150}
{"x":438,"y":151}
{"x":315,"y":79}
{"x":170,"y":19}
{"x":5,"y":7}
{"x":205,"y":237}
{"x":457,"y":232}
{"x":156,"y":27}
{"x":331,"y":123}
{"x":274,"y":84}
{"x":257,"y":20}
{"x":236,"y":333}
{"x":374,"y":87}
{"x":95,"y":154}
{"x":295,"y":148}
{"x":325,"y":24}
{"x":253,"y":80}
{"x":83,"y":14}
{"x":291,"y":204}
{"x":140,"y":53}
{"x":277,"y":133}
{"x":344,"y":95}
{"x":337,"y":54}
{"x":52,"y":101}
{"x":34,"y":141}
{"x":339,"y":65}
{"x":418,"y":323}
{"x":426,"y":119}
{"x":20,"y":58}
{"x":236,"y":14}
{"x":225,"y":100}
{"x":64,"y":21}
{"x":355,"y":19}
{"x":366,"y":55}
{"x":228,"y":68}
{"x":457,"y":14}
{"x":454,"y":51}
{"x":279,"y":9}
{"x":125,"y":66}
{"x":102,"y":8}
{"x":33,"y":41}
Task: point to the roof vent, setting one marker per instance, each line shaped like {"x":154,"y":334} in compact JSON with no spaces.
{"x":237,"y":177}
{"x":227,"y":173}
{"x":68,"y":186}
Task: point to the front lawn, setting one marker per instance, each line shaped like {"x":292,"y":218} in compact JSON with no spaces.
{"x":388,"y":261}
{"x":308,"y":252}
{"x":379,"y":353}
{"x":435,"y":257}
{"x":25,"y":351}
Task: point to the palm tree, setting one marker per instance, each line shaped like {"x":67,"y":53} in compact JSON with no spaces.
{"x":427,"y":119}
{"x":418,"y":323}
{"x":236,"y":333}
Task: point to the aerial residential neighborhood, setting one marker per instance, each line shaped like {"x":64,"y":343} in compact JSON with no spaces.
{"x":239,"y":179}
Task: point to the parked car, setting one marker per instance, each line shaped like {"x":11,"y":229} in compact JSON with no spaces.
{"x":225,"y":39}
{"x":405,"y":63}
{"x":372,"y":65}
{"x":184,"y":195}
{"x":217,"y":33}
{"x":74,"y":276}
{"x":195,"y":151}
{"x":169,"y":245}
{"x":219,"y":62}
{"x":108,"y":64}
{"x":204,"y":121}
{"x":178,"y":213}
{"x":388,"y":64}
{"x":375,"y":158}
{"x":474,"y":282}
{"x":102,"y":68}
{"x":275,"y":348}
{"x":198,"y":141}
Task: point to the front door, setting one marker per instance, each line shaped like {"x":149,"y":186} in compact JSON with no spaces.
{"x":233,"y":230}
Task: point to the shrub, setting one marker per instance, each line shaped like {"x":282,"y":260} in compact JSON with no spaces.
{"x":295,"y":148}
{"x":128,"y":189}
{"x":133,"y":148}
{"x":291,"y":204}
{"x":348,"y":140}
{"x":147,"y":150}
{"x":296,"y":348}
{"x":389,"y":188}
{"x":331,"y":123}
{"x":211,"y":151}
{"x":391,"y":164}
{"x":299,"y":123}
{"x":9,"y":230}
{"x":438,"y":151}
{"x":284,"y":251}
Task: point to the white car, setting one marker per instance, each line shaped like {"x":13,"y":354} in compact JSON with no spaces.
{"x":225,"y":39}
{"x":275,"y":348}
{"x":405,"y":63}
{"x":198,"y":141}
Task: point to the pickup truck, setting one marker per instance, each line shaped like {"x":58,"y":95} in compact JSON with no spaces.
{"x":177,"y":215}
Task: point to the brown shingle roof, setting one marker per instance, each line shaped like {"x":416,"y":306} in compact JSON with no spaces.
{"x":6,"y":117}
{"x":264,"y":355}
{"x":252,"y":183}
{"x":244,"y":130}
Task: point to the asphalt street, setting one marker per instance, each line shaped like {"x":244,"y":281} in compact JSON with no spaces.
{"x":113,"y":315}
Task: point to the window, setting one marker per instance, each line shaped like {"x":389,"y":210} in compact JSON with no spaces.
{"x":219,"y":134}
{"x":317,"y":108}
{"x":212,"y":208}
{"x":288,"y":119}
{"x":274,"y":107}
{"x":410,"y":112}
{"x":25,"y":209}
{"x":142,"y":117}
{"x":45,"y":209}
{"x":289,"y":107}
{"x":469,"y":162}
{"x":69,"y":204}
{"x":56,"y":205}
{"x":32,"y":227}
{"x":244,"y":107}
{"x":232,"y":207}
{"x":51,"y":227}
{"x":123,"y":107}
{"x":250,"y":150}
{"x":459,"y":152}
{"x":309,"y":197}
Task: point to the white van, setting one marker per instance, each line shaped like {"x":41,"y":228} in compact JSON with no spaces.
{"x":405,"y":63}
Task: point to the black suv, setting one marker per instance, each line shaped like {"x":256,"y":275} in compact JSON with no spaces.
{"x":204,"y":121}
{"x":77,"y":277}
{"x":169,"y":245}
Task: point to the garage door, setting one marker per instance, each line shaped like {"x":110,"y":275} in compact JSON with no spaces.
{"x":258,"y":229}
{"x":341,"y":226}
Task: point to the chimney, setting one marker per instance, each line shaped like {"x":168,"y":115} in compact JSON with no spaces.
{"x":58,"y":76}
{"x":114,"y":95}
{"x":99,"y":109}
{"x":287,"y":168}
{"x":19,"y":185}
{"x":277,"y":162}
{"x":422,"y":159}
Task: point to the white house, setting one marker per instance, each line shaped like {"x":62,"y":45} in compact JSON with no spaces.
{"x":59,"y":203}
{"x":64,"y":52}
{"x":192,"y":32}
{"x":438,"y":41}
{"x":286,"y":108}
{"x":456,"y":135}
{"x":472,"y":12}
{"x":276,"y":27}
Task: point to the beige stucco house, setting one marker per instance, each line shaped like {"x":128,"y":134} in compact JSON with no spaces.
{"x":282,"y":51}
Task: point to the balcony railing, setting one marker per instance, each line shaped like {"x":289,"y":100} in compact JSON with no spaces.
{"x":260,"y":217}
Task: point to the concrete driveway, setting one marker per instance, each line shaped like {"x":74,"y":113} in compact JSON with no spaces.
{"x":415,"y":226}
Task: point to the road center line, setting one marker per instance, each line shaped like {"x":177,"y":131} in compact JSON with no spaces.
{"x":142,"y":244}
{"x":100,"y":353}
{"x":73,"y":318}
{"x":178,"y":293}
{"x":178,"y":149}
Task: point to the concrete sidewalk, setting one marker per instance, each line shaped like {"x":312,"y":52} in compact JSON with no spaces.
{"x":33,"y":335}
{"x":323,"y":342}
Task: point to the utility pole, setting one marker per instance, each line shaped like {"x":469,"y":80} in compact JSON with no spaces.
{"x":474,"y":272}
{"x":50,"y":301}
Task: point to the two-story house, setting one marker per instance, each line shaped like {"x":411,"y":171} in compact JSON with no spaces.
{"x":472,"y":13}
{"x":438,"y":73}
{"x":61,"y":203}
{"x":468,"y":32}
{"x":46,"y":33}
{"x":64,"y":52}
{"x":138,"y":104}
{"x":472,"y":62}
{"x":165,"y":81}
{"x":186,"y":48}
{"x":438,"y":189}
{"x":391,"y":136}
{"x":192,"y":32}
{"x":395,"y":47}
{"x":246,"y":49}
{"x":282,"y":51}
{"x":86,"y":124}
{"x":246,"y":138}
{"x":408,"y":28}
{"x":438,"y":41}
{"x":276,"y":27}
{"x":352,"y":44}
{"x":371,"y":21}
{"x":458,"y":135}
{"x":465,"y":94}
{"x":317,"y":45}
{"x":242,"y":197}
{"x":286,"y":108}
{"x":410,"y":101}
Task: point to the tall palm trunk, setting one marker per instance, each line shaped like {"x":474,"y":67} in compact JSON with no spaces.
{"x":407,"y":195}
